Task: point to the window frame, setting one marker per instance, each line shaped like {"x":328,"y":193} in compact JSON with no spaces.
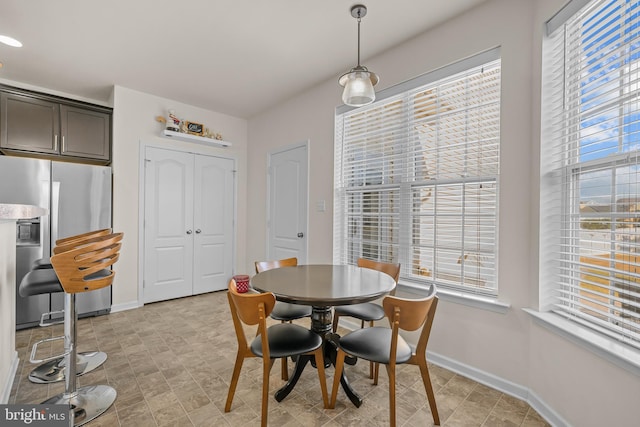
{"x":565,"y":174}
{"x":406,"y":187}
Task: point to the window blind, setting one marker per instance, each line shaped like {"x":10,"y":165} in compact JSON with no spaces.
{"x":416,"y":180}
{"x":590,"y":189}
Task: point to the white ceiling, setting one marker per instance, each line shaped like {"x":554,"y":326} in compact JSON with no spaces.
{"x":231,"y":56}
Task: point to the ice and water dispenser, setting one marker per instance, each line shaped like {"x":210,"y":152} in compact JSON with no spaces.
{"x":28,"y":232}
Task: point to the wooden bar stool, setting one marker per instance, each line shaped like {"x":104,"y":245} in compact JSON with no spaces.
{"x":42,"y":279}
{"x":84,"y":268}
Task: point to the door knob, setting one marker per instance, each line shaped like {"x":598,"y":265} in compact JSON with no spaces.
{"x":198,"y":231}
{"x":189,"y":231}
{"x":301,"y":235}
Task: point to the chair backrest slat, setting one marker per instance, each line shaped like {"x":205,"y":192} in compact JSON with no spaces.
{"x":63,"y":245}
{"x":391,"y":269}
{"x":413,"y":313}
{"x":268,"y":265}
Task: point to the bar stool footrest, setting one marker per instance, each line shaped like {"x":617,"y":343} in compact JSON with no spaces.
{"x":54,"y":370}
{"x":87,"y":403}
{"x":51,"y":322}
{"x":34,"y":350}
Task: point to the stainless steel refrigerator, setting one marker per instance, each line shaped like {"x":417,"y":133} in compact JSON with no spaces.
{"x":78,"y":198}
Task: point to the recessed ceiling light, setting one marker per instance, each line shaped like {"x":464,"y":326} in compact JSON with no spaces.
{"x":10,"y":41}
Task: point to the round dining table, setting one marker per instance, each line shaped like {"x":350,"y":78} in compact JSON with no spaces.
{"x":323,"y":286}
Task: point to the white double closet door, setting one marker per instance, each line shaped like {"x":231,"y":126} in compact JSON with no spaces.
{"x":188,"y":223}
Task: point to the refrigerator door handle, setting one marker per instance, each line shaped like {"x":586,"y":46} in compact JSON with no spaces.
{"x":55,"y":209}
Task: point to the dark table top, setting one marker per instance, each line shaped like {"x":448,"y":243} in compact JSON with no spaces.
{"x":324,"y":285}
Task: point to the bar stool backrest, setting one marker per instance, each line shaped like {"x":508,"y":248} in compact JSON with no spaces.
{"x":85,"y":266}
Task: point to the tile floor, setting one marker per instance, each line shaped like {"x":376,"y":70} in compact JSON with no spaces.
{"x":171,"y":363}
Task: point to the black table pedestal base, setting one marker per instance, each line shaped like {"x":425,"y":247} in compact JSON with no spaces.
{"x":321,"y":324}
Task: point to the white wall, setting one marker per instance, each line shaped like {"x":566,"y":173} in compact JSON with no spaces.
{"x":8,"y":355}
{"x":134,"y":123}
{"x":507,"y":347}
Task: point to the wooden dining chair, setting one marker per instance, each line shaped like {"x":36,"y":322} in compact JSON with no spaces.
{"x":385,"y":345}
{"x":278,"y":341}
{"x":368,"y":311}
{"x":284,"y":311}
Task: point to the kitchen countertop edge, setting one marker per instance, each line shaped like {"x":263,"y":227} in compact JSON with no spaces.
{"x":15,"y":211}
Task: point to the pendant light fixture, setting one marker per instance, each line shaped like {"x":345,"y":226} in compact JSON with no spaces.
{"x":358,"y":83}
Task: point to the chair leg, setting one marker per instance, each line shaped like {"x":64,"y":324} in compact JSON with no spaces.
{"x":284,"y":374}
{"x":266,"y":369}
{"x":234,"y":381}
{"x":284,"y":370}
{"x":376,"y":370}
{"x":426,"y":379}
{"x":372,"y":364}
{"x":391,"y":370}
{"x":336,"y":378}
{"x":319,"y":355}
{"x":334,"y":325}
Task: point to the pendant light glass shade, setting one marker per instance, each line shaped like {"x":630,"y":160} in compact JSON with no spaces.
{"x":358,"y":82}
{"x":358,"y":87}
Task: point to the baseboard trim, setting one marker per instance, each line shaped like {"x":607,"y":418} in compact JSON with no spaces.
{"x":490,"y":380}
{"x":493,"y":381}
{"x":500,"y":384}
{"x":124,"y":306}
{"x":6,"y":389}
{"x":545,"y":410}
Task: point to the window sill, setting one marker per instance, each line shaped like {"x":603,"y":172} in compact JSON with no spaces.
{"x":619,"y":354}
{"x":475,"y":301}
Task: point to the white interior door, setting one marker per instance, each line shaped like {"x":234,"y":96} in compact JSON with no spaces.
{"x":213,"y":222}
{"x":168,"y":229}
{"x":288,"y":200}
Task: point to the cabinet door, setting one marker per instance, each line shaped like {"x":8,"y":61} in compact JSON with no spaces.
{"x":85,"y":133}
{"x":29,"y":124}
{"x":213,"y":215}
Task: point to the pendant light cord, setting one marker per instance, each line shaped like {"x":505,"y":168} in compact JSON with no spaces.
{"x":358,"y":39}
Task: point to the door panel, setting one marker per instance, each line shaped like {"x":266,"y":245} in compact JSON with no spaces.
{"x":213,"y":222}
{"x":168,"y":271}
{"x":288,"y":204}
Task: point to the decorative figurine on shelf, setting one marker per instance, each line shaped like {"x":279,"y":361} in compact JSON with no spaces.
{"x":173,"y":122}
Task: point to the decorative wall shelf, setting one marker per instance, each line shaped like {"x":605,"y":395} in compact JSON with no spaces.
{"x":187,"y":137}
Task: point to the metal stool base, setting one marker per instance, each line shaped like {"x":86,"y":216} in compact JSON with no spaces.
{"x":87,"y":402}
{"x":54,"y":370}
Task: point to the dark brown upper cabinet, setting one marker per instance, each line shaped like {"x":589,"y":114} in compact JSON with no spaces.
{"x":48,"y":127}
